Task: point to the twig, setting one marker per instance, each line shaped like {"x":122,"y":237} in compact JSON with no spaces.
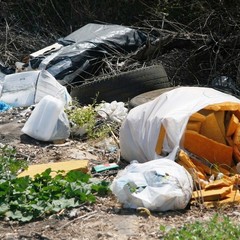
{"x":86,"y":216}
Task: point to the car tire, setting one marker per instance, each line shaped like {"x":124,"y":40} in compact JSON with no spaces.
{"x":123,"y":86}
{"x":148,"y":96}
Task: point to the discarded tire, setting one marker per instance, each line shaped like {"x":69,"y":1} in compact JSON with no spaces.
{"x":123,"y":86}
{"x":147,"y":96}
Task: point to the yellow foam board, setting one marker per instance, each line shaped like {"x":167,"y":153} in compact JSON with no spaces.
{"x":211,"y":129}
{"x":231,"y":198}
{"x":197,"y":117}
{"x":225,"y":106}
{"x":212,"y":195}
{"x":194,"y":126}
{"x":161,"y":136}
{"x":232,"y":125}
{"x":207,"y":148}
{"x":81,"y":165}
{"x":220,"y":116}
{"x":236,"y":136}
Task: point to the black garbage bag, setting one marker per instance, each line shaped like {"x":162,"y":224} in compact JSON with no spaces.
{"x":225,"y":84}
{"x":82,"y":51}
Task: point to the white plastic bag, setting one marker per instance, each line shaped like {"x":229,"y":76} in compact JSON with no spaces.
{"x":114,"y":111}
{"x":158,"y":185}
{"x":140,"y":129}
{"x":18,"y":89}
{"x":24,"y":89}
{"x":48,"y":121}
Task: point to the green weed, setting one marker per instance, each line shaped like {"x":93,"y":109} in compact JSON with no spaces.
{"x":217,"y":228}
{"x":87,"y":122}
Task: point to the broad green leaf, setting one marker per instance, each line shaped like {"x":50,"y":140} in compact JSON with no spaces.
{"x":73,"y":176}
{"x":21,"y":183}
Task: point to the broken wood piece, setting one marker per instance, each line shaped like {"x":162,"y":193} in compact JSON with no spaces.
{"x":208,"y":149}
{"x":81,"y":165}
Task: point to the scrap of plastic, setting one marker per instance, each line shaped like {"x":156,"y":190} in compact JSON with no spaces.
{"x":82,"y":51}
{"x":115,"y":111}
{"x":4,"y":107}
{"x":158,"y":185}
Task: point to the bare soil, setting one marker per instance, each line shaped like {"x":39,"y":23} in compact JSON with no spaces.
{"x":106,"y":219}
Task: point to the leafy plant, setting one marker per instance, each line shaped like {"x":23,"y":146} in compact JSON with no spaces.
{"x":9,"y":164}
{"x":87,"y":122}
{"x":217,"y":228}
{"x":26,"y":198}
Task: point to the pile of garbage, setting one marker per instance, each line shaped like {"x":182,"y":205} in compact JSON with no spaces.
{"x":194,"y":127}
{"x":182,"y":146}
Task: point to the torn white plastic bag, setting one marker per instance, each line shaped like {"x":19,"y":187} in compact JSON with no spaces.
{"x":28,"y":88}
{"x":158,"y":185}
{"x":115,"y":111}
{"x":140,"y":129}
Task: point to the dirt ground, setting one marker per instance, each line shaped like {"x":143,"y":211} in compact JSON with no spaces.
{"x":106,"y":219}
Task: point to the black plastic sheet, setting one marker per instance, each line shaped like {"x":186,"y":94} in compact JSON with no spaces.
{"x":82,"y":51}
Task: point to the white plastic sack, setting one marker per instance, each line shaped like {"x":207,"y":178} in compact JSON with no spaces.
{"x":24,"y":89}
{"x":158,"y":185}
{"x":140,"y":130}
{"x":48,"y":121}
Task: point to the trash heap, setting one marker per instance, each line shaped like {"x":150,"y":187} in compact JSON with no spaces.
{"x":199,"y":129}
